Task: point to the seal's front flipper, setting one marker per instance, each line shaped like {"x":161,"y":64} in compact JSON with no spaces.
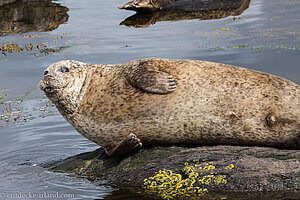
{"x":128,"y":144}
{"x":153,"y":81}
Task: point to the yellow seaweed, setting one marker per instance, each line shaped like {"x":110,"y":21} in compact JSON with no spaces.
{"x":169,"y":185}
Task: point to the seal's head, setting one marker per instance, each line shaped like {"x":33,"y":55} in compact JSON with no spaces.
{"x":63,"y":83}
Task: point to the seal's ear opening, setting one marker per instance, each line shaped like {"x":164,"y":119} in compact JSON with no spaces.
{"x":64,"y":69}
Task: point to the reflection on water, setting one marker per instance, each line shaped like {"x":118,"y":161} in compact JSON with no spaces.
{"x":196,"y":5}
{"x":190,"y":10}
{"x":30,"y":16}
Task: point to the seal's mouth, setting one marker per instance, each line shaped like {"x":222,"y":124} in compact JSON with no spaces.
{"x":46,"y":87}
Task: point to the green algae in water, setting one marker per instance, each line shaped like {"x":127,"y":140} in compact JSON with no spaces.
{"x":60,"y":49}
{"x":292,"y":48}
{"x":50,"y":51}
{"x":264,"y":48}
{"x":216,"y":49}
{"x":3,"y":95}
{"x":241,"y":46}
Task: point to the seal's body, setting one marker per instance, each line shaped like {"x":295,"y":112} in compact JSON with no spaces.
{"x":157,"y":101}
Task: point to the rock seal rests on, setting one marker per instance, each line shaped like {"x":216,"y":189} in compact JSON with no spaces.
{"x":158,"y":101}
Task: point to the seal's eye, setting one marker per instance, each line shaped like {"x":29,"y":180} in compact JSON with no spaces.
{"x":64,"y":69}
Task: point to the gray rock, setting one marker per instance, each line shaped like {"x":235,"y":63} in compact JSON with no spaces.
{"x":30,"y":16}
{"x":146,"y":6}
{"x":209,"y":172}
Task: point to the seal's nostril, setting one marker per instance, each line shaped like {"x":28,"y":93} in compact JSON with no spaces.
{"x":45,"y":72}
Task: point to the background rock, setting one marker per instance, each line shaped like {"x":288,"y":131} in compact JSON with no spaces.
{"x":30,"y":16}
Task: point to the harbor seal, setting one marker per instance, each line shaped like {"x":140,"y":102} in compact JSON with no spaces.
{"x":159,"y":101}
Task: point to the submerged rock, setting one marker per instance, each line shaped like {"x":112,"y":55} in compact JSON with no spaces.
{"x":210,"y":172}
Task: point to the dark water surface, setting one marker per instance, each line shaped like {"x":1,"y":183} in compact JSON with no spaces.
{"x":266,"y":37}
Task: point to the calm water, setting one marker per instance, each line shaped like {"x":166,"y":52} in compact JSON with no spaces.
{"x":266,"y":37}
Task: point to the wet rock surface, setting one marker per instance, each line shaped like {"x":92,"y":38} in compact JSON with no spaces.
{"x":30,"y":16}
{"x":143,"y":20}
{"x":144,"y":6}
{"x":210,"y":172}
